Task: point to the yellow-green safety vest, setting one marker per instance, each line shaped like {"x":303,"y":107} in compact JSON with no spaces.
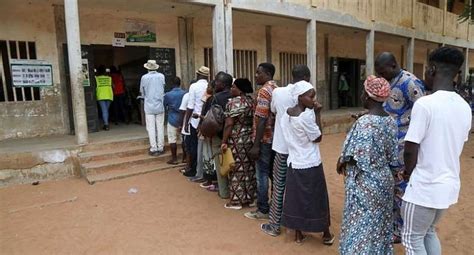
{"x":104,"y":88}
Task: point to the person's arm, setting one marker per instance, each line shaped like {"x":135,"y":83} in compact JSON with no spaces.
{"x":317,"y":112}
{"x":229,"y":123}
{"x":410,"y":157}
{"x":262,"y":113}
{"x":190,"y":109}
{"x":142,"y":88}
{"x":420,"y":121}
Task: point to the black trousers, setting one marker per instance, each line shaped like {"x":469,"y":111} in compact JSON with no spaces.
{"x":193,"y":148}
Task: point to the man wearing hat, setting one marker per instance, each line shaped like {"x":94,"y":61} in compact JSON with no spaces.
{"x":152,"y":90}
{"x":196,"y":91}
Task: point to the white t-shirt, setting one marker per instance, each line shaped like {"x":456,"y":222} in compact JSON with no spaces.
{"x":440,"y":124}
{"x":196,"y":91}
{"x":183,"y":107}
{"x":281,"y":101}
{"x":299,"y":133}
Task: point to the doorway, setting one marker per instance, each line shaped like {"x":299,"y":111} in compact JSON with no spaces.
{"x":346,"y":79}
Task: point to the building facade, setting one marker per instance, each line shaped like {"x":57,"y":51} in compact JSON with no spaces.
{"x":331,"y":37}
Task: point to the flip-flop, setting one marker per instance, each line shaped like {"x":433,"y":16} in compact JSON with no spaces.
{"x":233,"y":207}
{"x":205,"y":185}
{"x":300,"y":242}
{"x":213,"y":188}
{"x":171,"y":162}
{"x":329,"y":241}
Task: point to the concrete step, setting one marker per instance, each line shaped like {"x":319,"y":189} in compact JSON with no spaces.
{"x":108,"y":145}
{"x":114,"y":153}
{"x":136,"y":169}
{"x":99,"y":166}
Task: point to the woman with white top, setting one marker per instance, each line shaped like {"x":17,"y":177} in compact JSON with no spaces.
{"x":306,"y":205}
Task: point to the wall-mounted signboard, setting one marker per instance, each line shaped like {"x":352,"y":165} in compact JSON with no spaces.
{"x":31,"y":73}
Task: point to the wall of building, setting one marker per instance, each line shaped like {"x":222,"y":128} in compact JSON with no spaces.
{"x":33,"y":22}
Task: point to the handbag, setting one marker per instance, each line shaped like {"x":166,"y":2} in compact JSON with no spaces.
{"x":227,"y":162}
{"x":213,"y":121}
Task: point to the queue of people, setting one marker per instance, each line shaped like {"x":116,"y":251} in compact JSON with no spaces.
{"x":399,"y":161}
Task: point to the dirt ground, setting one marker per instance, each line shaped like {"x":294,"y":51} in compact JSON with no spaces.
{"x":170,"y":215}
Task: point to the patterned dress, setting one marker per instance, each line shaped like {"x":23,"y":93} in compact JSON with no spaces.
{"x":405,"y":90}
{"x":242,"y":179}
{"x":367,"y":218}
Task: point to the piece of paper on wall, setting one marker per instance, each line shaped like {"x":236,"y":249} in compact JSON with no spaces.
{"x":140,"y":30}
{"x":85,"y":73}
{"x":119,"y":40}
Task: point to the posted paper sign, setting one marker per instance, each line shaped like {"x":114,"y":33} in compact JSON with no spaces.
{"x":31,"y":73}
{"x":119,"y":40}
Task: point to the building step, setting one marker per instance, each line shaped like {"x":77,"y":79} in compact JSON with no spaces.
{"x":114,"y":153}
{"x":137,"y":169}
{"x":96,"y":167}
{"x":124,"y":143}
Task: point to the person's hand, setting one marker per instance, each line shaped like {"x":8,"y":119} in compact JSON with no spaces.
{"x":224,"y":147}
{"x":405,"y":176}
{"x":341,"y":167}
{"x":186,"y":129}
{"x":357,"y":115}
{"x":254,"y":153}
{"x":195,"y":115}
{"x":317,"y":107}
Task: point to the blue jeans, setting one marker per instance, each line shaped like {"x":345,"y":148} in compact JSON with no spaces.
{"x":264,"y":171}
{"x":104,"y":107}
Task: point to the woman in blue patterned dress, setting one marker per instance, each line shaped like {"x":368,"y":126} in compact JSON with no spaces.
{"x":366,"y":161}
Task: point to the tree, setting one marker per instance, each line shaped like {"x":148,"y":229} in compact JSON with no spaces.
{"x":468,"y":12}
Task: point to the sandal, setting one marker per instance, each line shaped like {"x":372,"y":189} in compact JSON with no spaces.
{"x":213,"y":188}
{"x":301,"y":241}
{"x":172,"y":162}
{"x":205,"y":185}
{"x":329,"y":240}
{"x":233,"y":207}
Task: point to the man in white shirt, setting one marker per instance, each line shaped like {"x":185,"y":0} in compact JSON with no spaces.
{"x":196,"y":91}
{"x":152,"y":89}
{"x":281,"y":101}
{"x":439,"y":127}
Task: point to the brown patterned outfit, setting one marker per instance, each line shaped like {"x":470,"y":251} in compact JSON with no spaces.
{"x":242,"y":182}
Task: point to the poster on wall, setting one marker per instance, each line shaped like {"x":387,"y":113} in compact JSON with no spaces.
{"x":119,"y":40}
{"x":85,"y":73}
{"x":31,"y":73}
{"x":140,"y":30}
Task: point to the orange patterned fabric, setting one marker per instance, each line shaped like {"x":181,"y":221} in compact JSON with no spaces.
{"x":377,"y":88}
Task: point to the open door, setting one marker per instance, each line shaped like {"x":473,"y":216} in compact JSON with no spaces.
{"x":334,"y":81}
{"x":89,"y":90}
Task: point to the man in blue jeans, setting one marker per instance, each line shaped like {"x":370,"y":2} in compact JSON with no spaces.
{"x":263,"y":126}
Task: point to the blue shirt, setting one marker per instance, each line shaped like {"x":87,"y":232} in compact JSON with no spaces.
{"x":152,"y":89}
{"x":172,"y":103}
{"x":405,"y":90}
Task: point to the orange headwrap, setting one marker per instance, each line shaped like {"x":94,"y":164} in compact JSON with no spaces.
{"x":377,"y":88}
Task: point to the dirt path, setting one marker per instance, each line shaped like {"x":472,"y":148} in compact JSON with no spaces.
{"x":170,"y":215}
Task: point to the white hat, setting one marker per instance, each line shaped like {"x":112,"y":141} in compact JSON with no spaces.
{"x":151,"y":65}
{"x":203,"y":71}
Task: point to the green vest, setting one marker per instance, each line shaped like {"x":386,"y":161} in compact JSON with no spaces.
{"x":104,"y":88}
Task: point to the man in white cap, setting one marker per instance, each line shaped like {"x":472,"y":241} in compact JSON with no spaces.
{"x":152,"y":90}
{"x":196,"y":91}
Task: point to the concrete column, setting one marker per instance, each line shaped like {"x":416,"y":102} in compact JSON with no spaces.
{"x":465,"y":65}
{"x":311,"y":50}
{"x":75,"y":70}
{"x":410,"y":54}
{"x":268,"y":42}
{"x":369,"y":52}
{"x":229,"y":41}
{"x":218,"y":38}
{"x":443,"y":5}
{"x":186,"y":49}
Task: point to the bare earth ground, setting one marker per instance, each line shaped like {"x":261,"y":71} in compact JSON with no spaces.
{"x":170,"y":215}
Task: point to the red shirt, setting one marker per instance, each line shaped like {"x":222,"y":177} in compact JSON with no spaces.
{"x":262,"y":110}
{"x":118,"y":84}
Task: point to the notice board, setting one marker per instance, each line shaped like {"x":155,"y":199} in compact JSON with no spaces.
{"x":166,"y":58}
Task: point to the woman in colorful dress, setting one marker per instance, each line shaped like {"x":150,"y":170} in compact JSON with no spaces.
{"x":368,"y":157}
{"x":306,"y":202}
{"x":238,"y":138}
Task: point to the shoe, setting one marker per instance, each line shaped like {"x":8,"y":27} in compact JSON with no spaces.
{"x":106,"y":127}
{"x":160,"y":152}
{"x":189,"y":174}
{"x":172,"y":162}
{"x":270,"y":229}
{"x":233,"y":207}
{"x":213,"y":188}
{"x":205,"y":185}
{"x":256,"y":215}
{"x":329,"y":240}
{"x":253,"y":204}
{"x":154,"y":153}
{"x":197,"y":179}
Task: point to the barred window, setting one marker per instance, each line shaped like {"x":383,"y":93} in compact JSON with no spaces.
{"x":15,"y":50}
{"x":287,"y":62}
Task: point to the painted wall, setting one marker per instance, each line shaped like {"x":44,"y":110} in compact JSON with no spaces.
{"x":33,"y":22}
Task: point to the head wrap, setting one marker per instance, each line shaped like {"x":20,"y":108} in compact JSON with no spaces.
{"x":377,"y":88}
{"x":244,"y":85}
{"x":299,"y":89}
